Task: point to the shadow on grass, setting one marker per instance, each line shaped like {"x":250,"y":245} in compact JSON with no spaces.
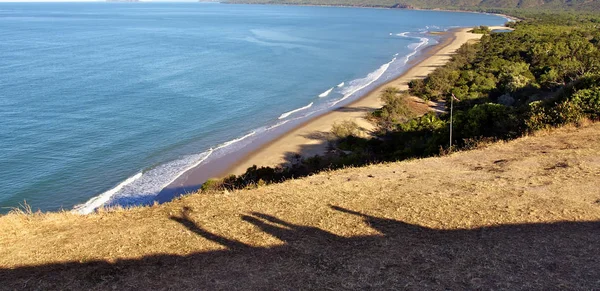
{"x":562,"y":255}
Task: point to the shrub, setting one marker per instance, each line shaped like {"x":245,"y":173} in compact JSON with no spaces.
{"x":588,"y":101}
{"x":487,"y":120}
{"x":565,"y":112}
{"x":481,"y":30}
{"x":537,"y":117}
{"x":212,"y":185}
{"x":394,"y":111}
{"x":345,"y":129}
{"x":543,"y":115}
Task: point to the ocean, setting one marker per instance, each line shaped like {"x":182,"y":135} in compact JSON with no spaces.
{"x":107,"y":103}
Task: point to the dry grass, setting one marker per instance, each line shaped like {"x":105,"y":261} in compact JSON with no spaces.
{"x":517,"y":215}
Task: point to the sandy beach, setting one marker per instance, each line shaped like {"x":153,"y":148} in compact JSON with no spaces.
{"x":309,"y":138}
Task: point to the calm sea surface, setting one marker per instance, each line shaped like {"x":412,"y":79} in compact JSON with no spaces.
{"x":118,"y":99}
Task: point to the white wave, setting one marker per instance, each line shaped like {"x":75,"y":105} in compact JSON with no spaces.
{"x":359,"y":84}
{"x":278,"y":124}
{"x":340,"y":85}
{"x":295,"y":110}
{"x":235,"y":140}
{"x":208,"y":153}
{"x":144,"y":187}
{"x":415,"y":47}
{"x":324,"y":94}
{"x":98,"y":201}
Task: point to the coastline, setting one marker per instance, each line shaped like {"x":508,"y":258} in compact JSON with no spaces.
{"x":304,"y":138}
{"x":267,"y":149}
{"x":309,"y":138}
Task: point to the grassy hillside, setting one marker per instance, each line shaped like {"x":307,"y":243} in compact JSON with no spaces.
{"x":446,"y":4}
{"x":518,"y":215}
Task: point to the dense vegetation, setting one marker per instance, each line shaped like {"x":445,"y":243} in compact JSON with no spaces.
{"x":582,"y":5}
{"x":545,"y":73}
{"x":481,"y":30}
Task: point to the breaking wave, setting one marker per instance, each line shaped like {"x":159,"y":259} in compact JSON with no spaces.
{"x":144,"y":187}
{"x":295,"y":110}
{"x":324,"y":94}
{"x":359,"y":84}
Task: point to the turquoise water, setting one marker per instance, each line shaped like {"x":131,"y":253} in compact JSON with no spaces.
{"x":118,"y":99}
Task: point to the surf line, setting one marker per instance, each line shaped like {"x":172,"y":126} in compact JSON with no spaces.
{"x":295,"y":110}
{"x":324,"y":94}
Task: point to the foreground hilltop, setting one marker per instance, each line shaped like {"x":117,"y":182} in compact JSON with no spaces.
{"x":518,"y":215}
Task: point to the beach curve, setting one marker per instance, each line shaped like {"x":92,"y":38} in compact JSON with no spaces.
{"x":307,"y":139}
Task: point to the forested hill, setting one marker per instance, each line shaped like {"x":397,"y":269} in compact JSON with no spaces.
{"x":587,"y":5}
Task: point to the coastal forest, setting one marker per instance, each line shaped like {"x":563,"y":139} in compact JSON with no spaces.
{"x":543,"y":74}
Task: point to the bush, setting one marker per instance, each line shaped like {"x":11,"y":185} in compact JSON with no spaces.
{"x":588,"y":101}
{"x":212,"y":185}
{"x":481,"y":30}
{"x":345,"y":129}
{"x":394,"y":111}
{"x":537,"y":117}
{"x":552,"y":114}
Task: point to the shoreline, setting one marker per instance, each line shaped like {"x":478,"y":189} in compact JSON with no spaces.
{"x":309,"y":138}
{"x":267,"y":151}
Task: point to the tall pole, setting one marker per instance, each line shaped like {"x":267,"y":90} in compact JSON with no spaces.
{"x":451,"y":109}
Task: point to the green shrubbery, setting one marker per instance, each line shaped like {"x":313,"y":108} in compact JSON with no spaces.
{"x":395,"y":110}
{"x":481,"y":30}
{"x":344,"y":129}
{"x":588,"y":102}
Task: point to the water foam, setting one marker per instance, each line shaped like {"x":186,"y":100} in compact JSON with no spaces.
{"x":101,"y":199}
{"x":295,"y":110}
{"x":414,"y":46}
{"x":340,"y":85}
{"x":278,"y":124}
{"x":359,"y":84}
{"x":324,"y":94}
{"x":144,"y":187}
